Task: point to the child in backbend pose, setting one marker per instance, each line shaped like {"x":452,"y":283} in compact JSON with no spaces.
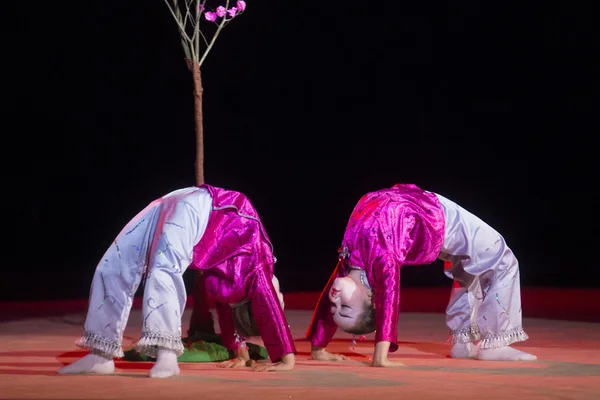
{"x":208,"y":228}
{"x":407,"y":225}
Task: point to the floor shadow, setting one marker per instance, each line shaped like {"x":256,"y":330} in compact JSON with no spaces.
{"x":28,"y":364}
{"x":435,"y":350}
{"x":346,"y":353}
{"x":32,"y":353}
{"x":26,"y":372}
{"x":440,"y":350}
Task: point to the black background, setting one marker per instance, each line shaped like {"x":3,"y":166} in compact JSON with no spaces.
{"x":307,"y":107}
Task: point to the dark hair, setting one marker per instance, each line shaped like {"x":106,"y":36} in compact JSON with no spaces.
{"x":243,"y":320}
{"x":365,"y":322}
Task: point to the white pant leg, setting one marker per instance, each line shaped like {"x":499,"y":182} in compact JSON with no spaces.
{"x":181,"y":224}
{"x":115,"y":282}
{"x":486,"y":299}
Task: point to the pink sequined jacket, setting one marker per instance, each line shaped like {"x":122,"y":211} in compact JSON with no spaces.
{"x":387,"y":229}
{"x":236,"y":256}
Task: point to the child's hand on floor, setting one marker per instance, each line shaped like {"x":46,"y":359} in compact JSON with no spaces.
{"x":236,"y":363}
{"x":380,"y":356}
{"x":241,"y":359}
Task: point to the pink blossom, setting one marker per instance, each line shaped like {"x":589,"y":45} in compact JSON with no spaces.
{"x":232,"y":11}
{"x":210,"y":16}
{"x":241,"y":5}
{"x":200,"y":7}
{"x":221,"y":11}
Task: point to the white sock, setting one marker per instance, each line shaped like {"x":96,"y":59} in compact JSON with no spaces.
{"x":93,"y":363}
{"x":505,"y":353}
{"x":463,"y":350}
{"x":166,"y":364}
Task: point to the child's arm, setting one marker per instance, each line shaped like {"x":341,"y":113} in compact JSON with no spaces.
{"x":380,"y":356}
{"x":322,"y":328}
{"x":240,"y":352}
{"x":386,"y":297}
{"x":272,"y":324}
{"x":225,"y":317}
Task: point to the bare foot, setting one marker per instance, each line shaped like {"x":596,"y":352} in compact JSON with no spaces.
{"x":386,"y":364}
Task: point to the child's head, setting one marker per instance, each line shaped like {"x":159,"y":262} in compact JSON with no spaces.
{"x":243,"y":319}
{"x":351,"y":305}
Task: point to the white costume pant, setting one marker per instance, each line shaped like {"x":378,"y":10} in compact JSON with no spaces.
{"x":485,"y":303}
{"x":159,"y":242}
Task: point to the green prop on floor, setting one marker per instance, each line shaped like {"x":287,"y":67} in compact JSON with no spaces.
{"x":203,"y":348}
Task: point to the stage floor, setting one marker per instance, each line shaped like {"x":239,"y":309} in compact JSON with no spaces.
{"x":32,"y":349}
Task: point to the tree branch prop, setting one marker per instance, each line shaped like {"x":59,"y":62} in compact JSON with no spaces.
{"x":189,"y":13}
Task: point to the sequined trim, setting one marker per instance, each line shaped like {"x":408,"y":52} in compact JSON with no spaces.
{"x":503,"y":339}
{"x":240,"y":341}
{"x":101,"y":344}
{"x":465,"y":335}
{"x":150,"y":341}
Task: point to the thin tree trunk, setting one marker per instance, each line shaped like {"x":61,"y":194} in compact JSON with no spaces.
{"x":201,"y":321}
{"x":198,"y":118}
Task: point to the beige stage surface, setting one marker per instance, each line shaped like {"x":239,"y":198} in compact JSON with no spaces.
{"x":33,"y":348}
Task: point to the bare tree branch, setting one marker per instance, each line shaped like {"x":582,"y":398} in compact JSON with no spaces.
{"x":189,"y":26}
{"x":203,"y":37}
{"x":184,"y":43}
{"x":181,"y":27}
{"x":197,"y":29}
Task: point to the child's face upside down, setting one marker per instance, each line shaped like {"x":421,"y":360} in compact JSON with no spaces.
{"x":348,"y":298}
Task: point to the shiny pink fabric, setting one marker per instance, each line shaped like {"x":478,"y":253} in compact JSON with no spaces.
{"x":236,"y":256}
{"x":388,"y":228}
